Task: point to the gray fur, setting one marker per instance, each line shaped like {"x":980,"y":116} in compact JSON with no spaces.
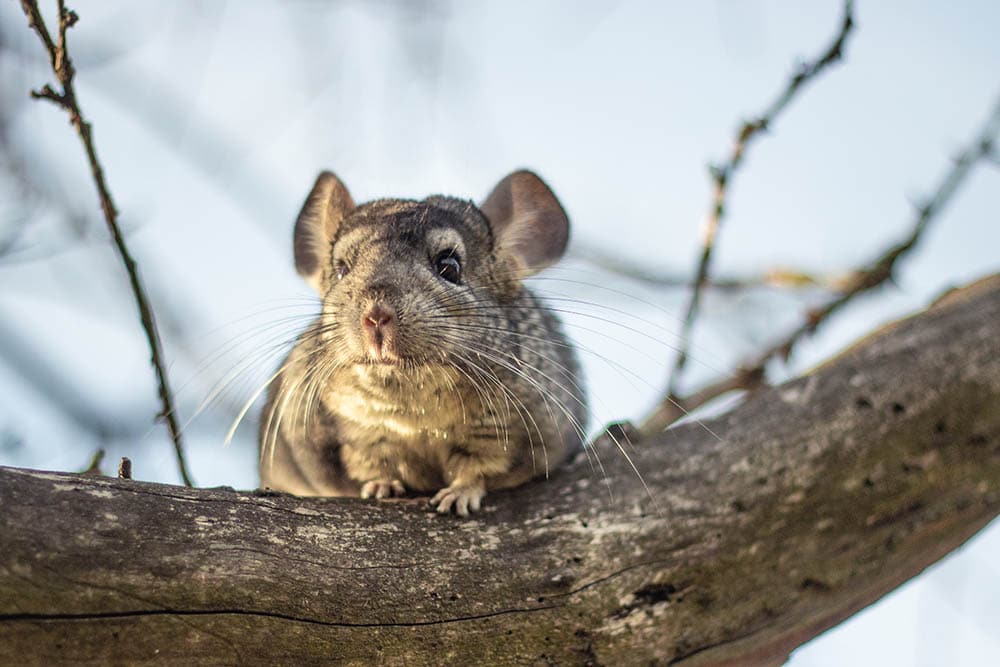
{"x":482,"y":390}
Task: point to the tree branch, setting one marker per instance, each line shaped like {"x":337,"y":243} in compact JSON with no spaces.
{"x":628,"y":267}
{"x":751,"y":375}
{"x":722,"y":175}
{"x":62,"y":66}
{"x":823,"y":495}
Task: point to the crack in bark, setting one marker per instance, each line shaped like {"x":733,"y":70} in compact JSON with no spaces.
{"x":692,"y":652}
{"x":139,"y":613}
{"x":609,"y":577}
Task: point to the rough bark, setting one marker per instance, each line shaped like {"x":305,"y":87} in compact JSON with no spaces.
{"x":760,"y":529}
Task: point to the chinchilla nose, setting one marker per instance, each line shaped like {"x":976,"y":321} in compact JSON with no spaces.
{"x":378,"y":317}
{"x":379,"y":325}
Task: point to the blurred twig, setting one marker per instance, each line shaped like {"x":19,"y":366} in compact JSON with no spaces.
{"x":880,"y":270}
{"x":721,"y":175}
{"x":994,"y":156}
{"x":19,"y":353}
{"x":95,"y":464}
{"x":777,"y":278}
{"x":9,"y":241}
{"x":62,"y":66}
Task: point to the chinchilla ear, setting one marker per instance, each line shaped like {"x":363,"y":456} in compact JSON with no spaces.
{"x":528,"y":222}
{"x":325,"y":208}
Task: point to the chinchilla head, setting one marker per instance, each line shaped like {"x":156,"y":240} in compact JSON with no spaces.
{"x":410,"y":283}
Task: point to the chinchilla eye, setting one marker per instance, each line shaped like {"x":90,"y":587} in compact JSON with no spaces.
{"x":341,"y":268}
{"x":448,"y":266}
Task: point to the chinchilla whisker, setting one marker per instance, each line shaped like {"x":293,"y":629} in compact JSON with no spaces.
{"x":314,"y":378}
{"x":561,"y":368}
{"x":267,"y":429}
{"x":235,"y":373}
{"x":225,"y":348}
{"x":559,"y":297}
{"x":486,"y":397}
{"x":471,"y":309}
{"x":583,"y":436}
{"x":450,"y":383}
{"x":519,"y":406}
{"x":625,"y":372}
{"x":580,"y":327}
{"x":496,"y":358}
{"x":545,"y":394}
{"x":314,"y":389}
{"x":232,"y":342}
{"x":303,"y":397}
{"x":499,"y":396}
{"x":495,"y":395}
{"x":700,"y":352}
{"x":283,"y":407}
{"x":489,"y":407}
{"x":268,"y":351}
{"x":246,"y":406}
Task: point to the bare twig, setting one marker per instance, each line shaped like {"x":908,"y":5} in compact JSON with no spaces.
{"x":877,"y":272}
{"x":775,"y":278}
{"x":62,"y":66}
{"x":9,"y":242}
{"x":21,"y":355}
{"x":722,"y":175}
{"x":993,"y":157}
{"x":94,"y":468}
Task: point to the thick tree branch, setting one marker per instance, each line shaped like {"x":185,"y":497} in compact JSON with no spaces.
{"x":822,"y":495}
{"x":722,"y":176}
{"x":62,"y":66}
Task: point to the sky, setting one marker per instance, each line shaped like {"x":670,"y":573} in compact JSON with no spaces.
{"x":213,"y":119}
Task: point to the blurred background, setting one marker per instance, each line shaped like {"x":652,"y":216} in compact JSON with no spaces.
{"x":213,"y":118}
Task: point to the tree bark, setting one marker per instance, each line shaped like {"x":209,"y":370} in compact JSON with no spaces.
{"x":759,"y":530}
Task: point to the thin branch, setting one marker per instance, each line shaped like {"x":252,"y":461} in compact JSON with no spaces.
{"x":775,"y":278}
{"x":62,"y":66}
{"x":993,"y":157}
{"x":94,"y":468}
{"x":877,"y":272}
{"x":722,"y":175}
{"x":19,"y":353}
{"x":10,"y":240}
